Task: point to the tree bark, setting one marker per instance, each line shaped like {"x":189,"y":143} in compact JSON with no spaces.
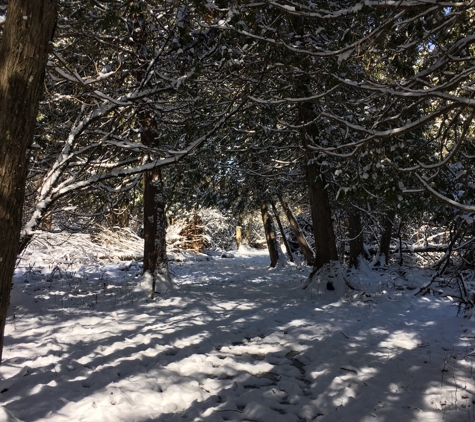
{"x":325,"y":241}
{"x":356,"y":238}
{"x":399,"y":235}
{"x":385,"y":242}
{"x":270,"y":235}
{"x":282,"y":232}
{"x":247,"y":237}
{"x":301,"y":240}
{"x":28,"y":29}
{"x":155,"y":260}
{"x":155,"y":245}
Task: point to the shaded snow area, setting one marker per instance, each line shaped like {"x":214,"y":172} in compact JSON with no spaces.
{"x":234,"y":341}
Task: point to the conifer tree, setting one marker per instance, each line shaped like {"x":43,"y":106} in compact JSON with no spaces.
{"x":24,"y":49}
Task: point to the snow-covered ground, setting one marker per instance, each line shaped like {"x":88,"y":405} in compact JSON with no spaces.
{"x":234,"y":341}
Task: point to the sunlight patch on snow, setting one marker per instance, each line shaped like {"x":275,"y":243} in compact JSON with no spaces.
{"x":433,"y":303}
{"x":338,"y":393}
{"x":446,"y":397}
{"x":228,"y":306}
{"x":367,"y":372}
{"x":400,"y":339}
{"x":255,"y":349}
{"x":298,"y":323}
{"x":5,"y":414}
{"x":316,"y":374}
{"x":378,"y":330}
{"x":395,"y":389}
{"x":245,"y":307}
{"x":192,"y":340}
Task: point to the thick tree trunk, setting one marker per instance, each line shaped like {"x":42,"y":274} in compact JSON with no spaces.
{"x":270,"y":235}
{"x":155,"y":261}
{"x":282,"y":232}
{"x":356,"y":238}
{"x":301,"y":240}
{"x":325,"y":241}
{"x":27,"y":31}
{"x":385,"y":243}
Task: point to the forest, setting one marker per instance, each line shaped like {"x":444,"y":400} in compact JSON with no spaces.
{"x":317,"y":152}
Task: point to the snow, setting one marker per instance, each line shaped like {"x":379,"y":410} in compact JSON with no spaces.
{"x":234,"y":340}
{"x":345,"y":55}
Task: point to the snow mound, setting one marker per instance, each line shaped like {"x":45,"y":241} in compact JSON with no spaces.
{"x":327,"y":284}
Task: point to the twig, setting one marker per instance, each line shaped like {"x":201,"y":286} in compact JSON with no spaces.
{"x":349,"y":369}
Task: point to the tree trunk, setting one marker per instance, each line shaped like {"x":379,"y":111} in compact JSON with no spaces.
{"x":27,"y":31}
{"x":356,"y":238}
{"x":325,"y":241}
{"x":385,"y":243}
{"x":399,"y":235}
{"x":282,"y":232}
{"x":155,"y":260}
{"x":301,"y":240}
{"x":155,"y":246}
{"x":248,"y":235}
{"x":270,"y":235}
{"x":239,"y":229}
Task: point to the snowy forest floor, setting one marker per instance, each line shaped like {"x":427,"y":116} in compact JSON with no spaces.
{"x":234,"y":341}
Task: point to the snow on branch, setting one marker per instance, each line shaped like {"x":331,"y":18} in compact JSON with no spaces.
{"x":373,"y":134}
{"x":462,"y":139}
{"x":51,"y":190}
{"x":443,"y":198}
{"x":295,"y":100}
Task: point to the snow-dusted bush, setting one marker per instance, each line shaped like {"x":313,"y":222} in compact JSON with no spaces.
{"x":119,"y":243}
{"x":219,"y":228}
{"x":205,"y":228}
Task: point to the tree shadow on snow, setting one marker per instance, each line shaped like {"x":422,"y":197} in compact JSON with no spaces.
{"x":225,"y":349}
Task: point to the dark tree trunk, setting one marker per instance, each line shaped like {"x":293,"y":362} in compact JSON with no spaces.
{"x":270,"y":235}
{"x":385,"y":243}
{"x":155,"y":245}
{"x":399,"y":235}
{"x":356,"y":238}
{"x":325,"y":244}
{"x":155,"y":259}
{"x":282,"y":232}
{"x":23,"y":55}
{"x":303,"y":244}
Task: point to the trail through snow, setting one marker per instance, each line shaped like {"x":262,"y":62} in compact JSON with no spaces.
{"x":234,"y":341}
